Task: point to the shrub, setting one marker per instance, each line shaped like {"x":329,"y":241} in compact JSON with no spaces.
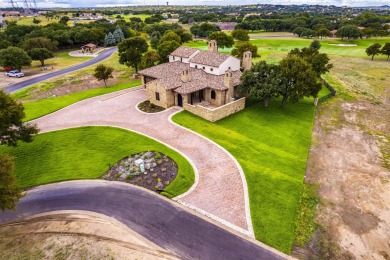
{"x":116,"y":176}
{"x":167,"y":182}
{"x":159,"y":162}
{"x":156,"y":187}
{"x":159,"y":180}
{"x":129,"y":177}
{"x":154,"y":175}
{"x":157,"y":156}
{"x":139,"y":179}
{"x":164,"y":169}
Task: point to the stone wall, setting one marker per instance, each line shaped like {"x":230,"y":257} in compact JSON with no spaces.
{"x":167,"y":97}
{"x":218,"y":113}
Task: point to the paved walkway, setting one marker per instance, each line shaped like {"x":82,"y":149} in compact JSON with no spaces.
{"x":219,"y":191}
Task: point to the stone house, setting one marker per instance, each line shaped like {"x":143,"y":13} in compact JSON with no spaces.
{"x":202,"y":82}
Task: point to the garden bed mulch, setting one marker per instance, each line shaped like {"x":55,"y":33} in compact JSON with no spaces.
{"x":148,"y":107}
{"x":159,"y":171}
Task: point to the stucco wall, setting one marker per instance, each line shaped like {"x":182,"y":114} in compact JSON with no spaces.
{"x":217,"y":113}
{"x":167,"y":98}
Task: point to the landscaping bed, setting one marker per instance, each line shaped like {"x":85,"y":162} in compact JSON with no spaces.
{"x":148,"y":107}
{"x":157,"y":172}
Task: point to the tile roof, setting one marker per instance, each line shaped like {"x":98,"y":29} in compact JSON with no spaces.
{"x":165,"y":70}
{"x":209,"y":58}
{"x":183,"y":51}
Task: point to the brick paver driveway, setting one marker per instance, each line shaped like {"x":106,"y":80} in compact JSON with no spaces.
{"x":219,"y":191}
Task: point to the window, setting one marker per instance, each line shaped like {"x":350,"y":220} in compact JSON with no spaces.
{"x":229,"y":68}
{"x":212,"y":94}
{"x":211,"y":69}
{"x":173,"y":57}
{"x":204,"y":68}
{"x":181,"y":59}
{"x":196,"y":66}
{"x":157,"y":96}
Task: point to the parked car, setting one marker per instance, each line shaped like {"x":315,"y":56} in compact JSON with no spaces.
{"x":14,"y":73}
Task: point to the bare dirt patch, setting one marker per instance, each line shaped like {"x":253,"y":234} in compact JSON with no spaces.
{"x":75,"y":235}
{"x":349,"y":161}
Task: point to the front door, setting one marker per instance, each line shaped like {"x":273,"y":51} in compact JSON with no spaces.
{"x":201,"y":95}
{"x":179,"y":100}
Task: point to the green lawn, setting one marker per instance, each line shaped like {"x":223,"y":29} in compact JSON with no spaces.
{"x":84,"y":153}
{"x":277,"y":48}
{"x":46,"y":106}
{"x":271,"y":145}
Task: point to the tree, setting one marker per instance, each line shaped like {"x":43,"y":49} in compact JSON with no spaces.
{"x":118,"y":34}
{"x":131,"y":50}
{"x":349,"y":32}
{"x":319,"y":61}
{"x":4,"y":44}
{"x":166,"y":48}
{"x":315,"y":45}
{"x":149,"y":59}
{"x":36,"y":21}
{"x":64,"y":20}
{"x":14,"y":57}
{"x":323,"y":32}
{"x":223,"y":40}
{"x":12,"y":129}
{"x":39,"y":42}
{"x":240,"y":35}
{"x":103,"y":72}
{"x":40,"y":54}
{"x":155,"y":39}
{"x":308,"y":33}
{"x":386,"y":50}
{"x":373,"y":50}
{"x":204,"y":29}
{"x":262,"y":82}
{"x":109,"y":39}
{"x":241,"y":47}
{"x":170,"y":36}
{"x":10,"y":192}
{"x":298,"y":31}
{"x":300,"y":80}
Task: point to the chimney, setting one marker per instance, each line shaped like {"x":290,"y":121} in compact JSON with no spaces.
{"x":247,"y":60}
{"x":228,"y":79}
{"x":185,"y":75}
{"x":213,"y":46}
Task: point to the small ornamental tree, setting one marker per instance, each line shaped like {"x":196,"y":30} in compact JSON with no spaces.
{"x":10,"y":192}
{"x":315,"y":45}
{"x":103,"y":72}
{"x":386,"y":50}
{"x":373,"y":50}
{"x":40,"y":54}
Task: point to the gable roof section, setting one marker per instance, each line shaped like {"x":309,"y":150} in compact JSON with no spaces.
{"x":209,"y":58}
{"x":165,"y":70}
{"x":184,"y":52}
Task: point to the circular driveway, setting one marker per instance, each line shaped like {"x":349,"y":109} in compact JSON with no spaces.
{"x":220,"y":189}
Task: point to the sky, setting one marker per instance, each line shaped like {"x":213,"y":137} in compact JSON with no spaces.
{"x":105,"y":3}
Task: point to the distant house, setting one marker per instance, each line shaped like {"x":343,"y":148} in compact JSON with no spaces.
{"x":202,"y":82}
{"x":226,"y":26}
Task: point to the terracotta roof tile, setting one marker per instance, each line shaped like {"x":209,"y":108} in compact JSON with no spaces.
{"x":165,"y":70}
{"x":209,"y":58}
{"x":183,"y":51}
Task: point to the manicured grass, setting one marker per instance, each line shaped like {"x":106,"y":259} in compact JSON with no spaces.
{"x":271,"y":144}
{"x":84,"y":153}
{"x":281,"y":46}
{"x":61,"y":60}
{"x":46,"y":106}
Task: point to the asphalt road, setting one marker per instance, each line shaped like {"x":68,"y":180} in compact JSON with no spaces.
{"x":160,"y":221}
{"x":26,"y":83}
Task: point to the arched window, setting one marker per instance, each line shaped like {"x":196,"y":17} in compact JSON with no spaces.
{"x":212,"y":94}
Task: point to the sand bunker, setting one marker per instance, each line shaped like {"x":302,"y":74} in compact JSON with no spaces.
{"x":343,"y":45}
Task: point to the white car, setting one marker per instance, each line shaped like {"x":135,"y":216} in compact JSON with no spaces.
{"x":15,"y":73}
